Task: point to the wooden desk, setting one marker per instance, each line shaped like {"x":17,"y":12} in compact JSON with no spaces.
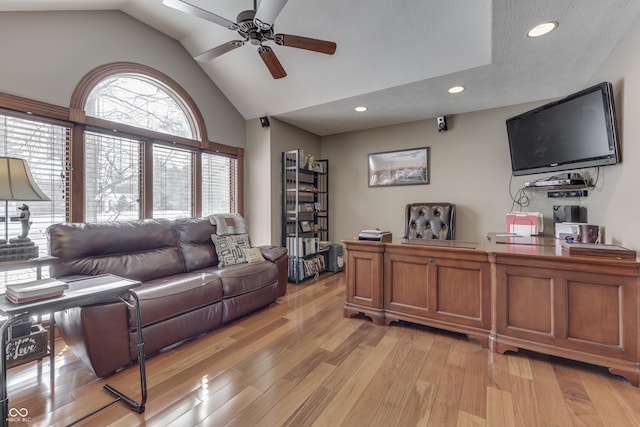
{"x":505,"y":295}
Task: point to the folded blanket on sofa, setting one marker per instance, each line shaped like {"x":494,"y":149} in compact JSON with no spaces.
{"x":229,"y":223}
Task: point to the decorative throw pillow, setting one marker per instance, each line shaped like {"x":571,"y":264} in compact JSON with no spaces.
{"x":229,"y":223}
{"x":253,"y":255}
{"x":230,"y":248}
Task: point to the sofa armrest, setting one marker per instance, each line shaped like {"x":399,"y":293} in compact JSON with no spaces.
{"x":273,"y":253}
{"x":279,"y":256}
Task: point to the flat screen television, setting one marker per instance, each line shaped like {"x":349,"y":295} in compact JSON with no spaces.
{"x":575,"y":132}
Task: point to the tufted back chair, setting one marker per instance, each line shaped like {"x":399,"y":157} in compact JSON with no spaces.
{"x":430,"y":221}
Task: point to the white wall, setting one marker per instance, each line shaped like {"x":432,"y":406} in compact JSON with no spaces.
{"x":263,"y":175}
{"x":45,"y":54}
{"x":257,"y":182}
{"x":617,"y":203}
{"x":470,"y":166}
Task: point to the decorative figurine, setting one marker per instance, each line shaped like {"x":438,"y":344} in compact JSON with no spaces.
{"x":309,"y":162}
{"x":24,"y":219}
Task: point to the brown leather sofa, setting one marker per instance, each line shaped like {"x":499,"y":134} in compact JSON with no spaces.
{"x":183,"y":294}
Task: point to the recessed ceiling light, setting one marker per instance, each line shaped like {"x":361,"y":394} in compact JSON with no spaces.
{"x":456,"y":89}
{"x":542,"y":29}
{"x":361,"y":109}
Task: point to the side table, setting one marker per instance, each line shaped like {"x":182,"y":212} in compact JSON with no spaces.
{"x":81,"y":292}
{"x":37,"y":263}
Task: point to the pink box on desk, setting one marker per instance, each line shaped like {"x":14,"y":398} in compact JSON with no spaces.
{"x":524,"y":223}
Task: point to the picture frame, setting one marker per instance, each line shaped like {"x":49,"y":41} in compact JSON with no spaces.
{"x":400,"y":167}
{"x":305,"y":226}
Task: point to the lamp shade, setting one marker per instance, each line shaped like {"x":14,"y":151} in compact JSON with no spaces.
{"x":16,"y":182}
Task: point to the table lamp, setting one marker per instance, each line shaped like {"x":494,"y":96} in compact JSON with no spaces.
{"x":17,"y":184}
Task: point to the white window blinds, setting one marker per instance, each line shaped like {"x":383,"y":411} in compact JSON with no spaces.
{"x":219,"y":177}
{"x":173,"y":178}
{"x":45,"y":146}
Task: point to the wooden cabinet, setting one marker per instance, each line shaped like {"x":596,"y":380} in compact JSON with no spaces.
{"x":364,"y":275}
{"x":506,"y":296}
{"x":582,"y":309}
{"x":434,"y":286}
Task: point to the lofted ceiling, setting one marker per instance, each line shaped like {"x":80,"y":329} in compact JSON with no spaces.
{"x":398,"y":58}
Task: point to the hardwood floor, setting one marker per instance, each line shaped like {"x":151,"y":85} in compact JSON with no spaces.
{"x":301,"y":363}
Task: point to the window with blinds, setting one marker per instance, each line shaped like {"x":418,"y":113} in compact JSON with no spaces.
{"x":219,"y":177}
{"x":173,"y":178}
{"x":112,"y":177}
{"x":117,"y":185}
{"x":45,"y":145}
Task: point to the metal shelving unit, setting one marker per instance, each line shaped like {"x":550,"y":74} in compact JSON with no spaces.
{"x":305,"y":215}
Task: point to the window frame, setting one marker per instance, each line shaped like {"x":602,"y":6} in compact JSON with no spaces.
{"x":75,"y":116}
{"x":150,"y":137}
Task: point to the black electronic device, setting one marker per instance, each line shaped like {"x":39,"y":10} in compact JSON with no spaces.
{"x":335,"y":258}
{"x":575,"y":132}
{"x":569,"y":213}
{"x":442,"y":123}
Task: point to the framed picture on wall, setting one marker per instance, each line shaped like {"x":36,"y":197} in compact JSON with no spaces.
{"x":403,"y":167}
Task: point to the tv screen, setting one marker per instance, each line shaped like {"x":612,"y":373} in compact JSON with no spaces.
{"x":575,"y":132}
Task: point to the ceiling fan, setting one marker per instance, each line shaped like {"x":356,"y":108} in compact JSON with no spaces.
{"x":256,"y":27}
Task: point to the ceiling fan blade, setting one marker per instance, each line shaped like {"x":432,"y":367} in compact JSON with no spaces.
{"x":185,"y":7}
{"x":267,"y":12}
{"x":271,"y":61}
{"x":218,"y":50}
{"x":316,"y":45}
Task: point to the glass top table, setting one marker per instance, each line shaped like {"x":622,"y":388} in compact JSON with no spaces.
{"x":81,"y":292}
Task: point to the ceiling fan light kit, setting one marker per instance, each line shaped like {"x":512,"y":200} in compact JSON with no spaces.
{"x":256,"y":27}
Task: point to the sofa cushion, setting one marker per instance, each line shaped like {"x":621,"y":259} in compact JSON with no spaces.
{"x":77,"y":240}
{"x":167,"y":297}
{"x":253,"y":255}
{"x":230,"y":248}
{"x":240,"y":279}
{"x":232,"y":308}
{"x":141,"y":250}
{"x":195,"y":244}
{"x":143,"y":266}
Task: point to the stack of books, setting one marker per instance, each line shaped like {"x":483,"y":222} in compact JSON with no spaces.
{"x":35,"y":291}
{"x":598,"y":250}
{"x":375,"y":235}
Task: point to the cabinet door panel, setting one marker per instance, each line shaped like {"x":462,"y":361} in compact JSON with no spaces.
{"x":599,"y":301}
{"x":525,"y":292}
{"x":364,"y":272}
{"x":590,"y":312}
{"x":407,"y":284}
{"x":459,"y":291}
{"x":450,"y":290}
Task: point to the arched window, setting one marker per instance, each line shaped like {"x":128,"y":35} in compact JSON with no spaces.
{"x":140,"y":101}
{"x":145,"y":151}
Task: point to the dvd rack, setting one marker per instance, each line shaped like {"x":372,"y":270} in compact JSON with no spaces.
{"x":305,"y":215}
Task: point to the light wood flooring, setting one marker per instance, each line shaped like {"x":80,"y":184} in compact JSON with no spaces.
{"x":301,"y":363}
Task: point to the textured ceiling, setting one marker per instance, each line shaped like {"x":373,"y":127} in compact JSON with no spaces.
{"x":396,"y":57}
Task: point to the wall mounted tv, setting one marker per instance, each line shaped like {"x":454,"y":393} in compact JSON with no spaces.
{"x":575,"y":132}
